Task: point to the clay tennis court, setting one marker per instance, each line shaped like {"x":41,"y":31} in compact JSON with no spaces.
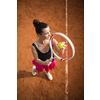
{"x":53,"y":13}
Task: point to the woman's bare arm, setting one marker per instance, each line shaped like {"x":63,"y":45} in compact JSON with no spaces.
{"x":39,"y":61}
{"x":59,"y":51}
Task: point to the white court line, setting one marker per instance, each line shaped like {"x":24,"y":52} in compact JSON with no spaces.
{"x":66,"y":68}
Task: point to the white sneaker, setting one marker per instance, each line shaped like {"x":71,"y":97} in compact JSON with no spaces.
{"x":33,"y":73}
{"x":49,"y":75}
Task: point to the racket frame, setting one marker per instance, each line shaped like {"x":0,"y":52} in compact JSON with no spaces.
{"x":70,"y":42}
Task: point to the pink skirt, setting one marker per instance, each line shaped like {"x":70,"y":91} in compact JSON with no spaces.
{"x":40,"y":67}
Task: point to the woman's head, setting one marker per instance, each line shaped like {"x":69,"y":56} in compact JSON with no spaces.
{"x":42,"y":29}
{"x":39,"y":26}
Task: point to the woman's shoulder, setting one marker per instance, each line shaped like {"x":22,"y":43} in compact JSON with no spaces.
{"x":35,"y":44}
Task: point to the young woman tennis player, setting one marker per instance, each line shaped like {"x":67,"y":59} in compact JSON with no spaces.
{"x":41,"y":49}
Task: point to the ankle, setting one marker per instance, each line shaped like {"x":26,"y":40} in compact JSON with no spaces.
{"x":46,"y":72}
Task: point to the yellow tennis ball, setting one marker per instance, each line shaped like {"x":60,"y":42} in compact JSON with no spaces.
{"x":60,"y":45}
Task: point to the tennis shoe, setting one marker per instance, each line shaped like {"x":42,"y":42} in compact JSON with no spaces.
{"x":49,"y":75}
{"x":33,"y":72}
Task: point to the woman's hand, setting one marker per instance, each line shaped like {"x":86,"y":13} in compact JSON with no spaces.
{"x":48,"y":62}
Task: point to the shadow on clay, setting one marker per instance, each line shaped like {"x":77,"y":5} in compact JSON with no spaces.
{"x":24,"y":74}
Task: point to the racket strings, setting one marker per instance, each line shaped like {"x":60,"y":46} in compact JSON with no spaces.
{"x":67,"y":49}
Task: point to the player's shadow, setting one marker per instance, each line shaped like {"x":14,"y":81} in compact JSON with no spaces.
{"x":24,"y":74}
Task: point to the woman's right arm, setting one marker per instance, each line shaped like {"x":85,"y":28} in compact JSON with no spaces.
{"x":39,"y":61}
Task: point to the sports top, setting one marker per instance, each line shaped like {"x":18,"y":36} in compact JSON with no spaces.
{"x":42,"y":56}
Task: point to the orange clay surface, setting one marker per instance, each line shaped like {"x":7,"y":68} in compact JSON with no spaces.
{"x":51,"y":12}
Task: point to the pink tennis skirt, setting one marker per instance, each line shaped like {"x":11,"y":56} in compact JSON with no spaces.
{"x":40,"y":67}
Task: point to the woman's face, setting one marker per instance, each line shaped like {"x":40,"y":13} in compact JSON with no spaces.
{"x":45,"y":33}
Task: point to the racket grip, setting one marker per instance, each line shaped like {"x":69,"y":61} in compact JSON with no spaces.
{"x":51,"y":58}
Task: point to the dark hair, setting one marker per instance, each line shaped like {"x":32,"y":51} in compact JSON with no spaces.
{"x":39,"y":26}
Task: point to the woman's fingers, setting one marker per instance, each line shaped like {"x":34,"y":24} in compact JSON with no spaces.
{"x":48,"y":61}
{"x":64,"y":44}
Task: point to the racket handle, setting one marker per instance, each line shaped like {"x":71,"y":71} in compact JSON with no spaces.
{"x":51,"y":58}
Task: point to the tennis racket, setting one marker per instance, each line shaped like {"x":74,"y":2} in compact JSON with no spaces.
{"x":61,"y":47}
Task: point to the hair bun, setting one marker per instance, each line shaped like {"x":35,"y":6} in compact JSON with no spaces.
{"x":36,"y":22}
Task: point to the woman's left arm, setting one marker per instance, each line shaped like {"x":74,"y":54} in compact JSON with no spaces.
{"x":59,"y":51}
